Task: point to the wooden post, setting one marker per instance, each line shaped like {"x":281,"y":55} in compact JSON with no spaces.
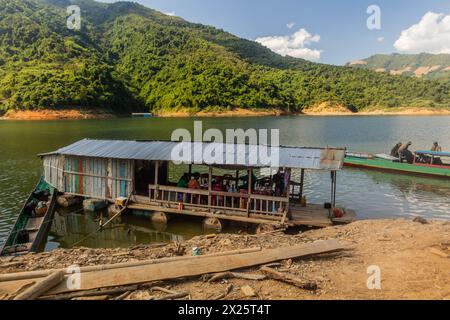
{"x":333,"y":188}
{"x":156,"y":179}
{"x":302,"y":181}
{"x":190,"y":171}
{"x":209,"y":186}
{"x":133,"y":176}
{"x":249,"y":181}
{"x":287,"y":186}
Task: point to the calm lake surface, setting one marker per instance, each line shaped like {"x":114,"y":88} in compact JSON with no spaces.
{"x":371,"y":194}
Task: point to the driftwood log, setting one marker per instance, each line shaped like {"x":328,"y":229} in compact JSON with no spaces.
{"x":91,"y":293}
{"x":175,"y":295}
{"x":238,"y":275}
{"x":288,"y":278}
{"x":224,"y":294}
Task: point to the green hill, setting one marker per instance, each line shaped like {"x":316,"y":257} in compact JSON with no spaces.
{"x":424,"y":65}
{"x":129,"y":57}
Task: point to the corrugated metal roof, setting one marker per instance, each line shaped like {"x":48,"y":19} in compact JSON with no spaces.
{"x":227,"y":154}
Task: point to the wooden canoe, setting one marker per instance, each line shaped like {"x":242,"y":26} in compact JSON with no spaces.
{"x":30,"y":231}
{"x":381,"y":164}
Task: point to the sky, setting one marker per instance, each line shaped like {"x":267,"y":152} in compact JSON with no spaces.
{"x":327,"y":31}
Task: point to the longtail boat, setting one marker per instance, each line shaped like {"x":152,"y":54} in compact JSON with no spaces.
{"x":426,"y":163}
{"x":29,"y":233}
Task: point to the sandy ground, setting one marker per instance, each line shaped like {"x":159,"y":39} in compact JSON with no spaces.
{"x":402,"y":249}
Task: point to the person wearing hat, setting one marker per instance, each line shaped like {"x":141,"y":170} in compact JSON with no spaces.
{"x":404,"y":153}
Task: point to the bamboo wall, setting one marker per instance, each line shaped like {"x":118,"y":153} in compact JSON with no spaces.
{"x":53,"y":171}
{"x":91,"y":177}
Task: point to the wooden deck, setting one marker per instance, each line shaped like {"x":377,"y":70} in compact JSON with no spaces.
{"x":145,"y":204}
{"x":312,"y":215}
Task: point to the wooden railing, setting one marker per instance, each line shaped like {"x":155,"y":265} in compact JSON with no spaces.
{"x":219,"y":200}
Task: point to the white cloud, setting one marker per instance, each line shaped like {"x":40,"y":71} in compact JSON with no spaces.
{"x":290,"y":25}
{"x":171,"y":13}
{"x":293,"y":45}
{"x":380,"y":39}
{"x":431,"y":34}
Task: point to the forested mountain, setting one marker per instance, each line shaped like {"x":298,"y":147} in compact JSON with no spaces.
{"x":426,"y":65}
{"x":129,"y":57}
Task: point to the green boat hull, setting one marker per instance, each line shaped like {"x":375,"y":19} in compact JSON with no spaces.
{"x":13,"y":244}
{"x":403,"y":168}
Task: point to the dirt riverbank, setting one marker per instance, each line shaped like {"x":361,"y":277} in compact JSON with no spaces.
{"x":402,"y":249}
{"x":320,"y":110}
{"x":48,"y":114}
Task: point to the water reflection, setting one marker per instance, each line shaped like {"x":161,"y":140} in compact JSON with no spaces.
{"x":78,"y":228}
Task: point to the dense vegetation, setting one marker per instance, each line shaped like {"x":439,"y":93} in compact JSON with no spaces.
{"x":128,"y":57}
{"x":431,"y":66}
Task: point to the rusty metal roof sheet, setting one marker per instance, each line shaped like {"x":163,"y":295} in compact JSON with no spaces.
{"x":224,"y":154}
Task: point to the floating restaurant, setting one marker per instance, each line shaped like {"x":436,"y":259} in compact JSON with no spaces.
{"x":144,"y":173}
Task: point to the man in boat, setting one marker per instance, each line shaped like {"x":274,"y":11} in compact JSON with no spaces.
{"x":394,"y":151}
{"x":436,"y":147}
{"x":404,"y":153}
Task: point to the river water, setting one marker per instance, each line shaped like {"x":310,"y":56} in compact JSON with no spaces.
{"x":371,"y":194}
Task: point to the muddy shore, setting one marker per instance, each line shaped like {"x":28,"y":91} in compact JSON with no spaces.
{"x":404,"y":250}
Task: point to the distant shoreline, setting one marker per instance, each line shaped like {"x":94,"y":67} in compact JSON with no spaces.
{"x":76,"y":114}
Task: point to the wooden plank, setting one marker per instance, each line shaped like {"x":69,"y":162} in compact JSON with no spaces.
{"x":34,"y":223}
{"x":41,"y":287}
{"x":187,"y":268}
{"x":44,"y":273}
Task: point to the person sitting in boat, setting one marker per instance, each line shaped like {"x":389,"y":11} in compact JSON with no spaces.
{"x":394,"y":151}
{"x":405,"y":154}
{"x":436,"y":147}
